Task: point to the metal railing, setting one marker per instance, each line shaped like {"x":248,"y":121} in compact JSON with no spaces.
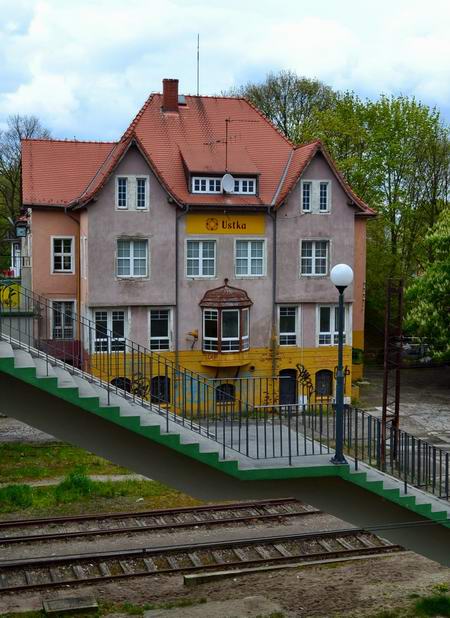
{"x":261,"y":431}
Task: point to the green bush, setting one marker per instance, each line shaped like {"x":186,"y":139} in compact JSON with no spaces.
{"x":435,"y":605}
{"x":75,"y":485}
{"x":19,"y":496}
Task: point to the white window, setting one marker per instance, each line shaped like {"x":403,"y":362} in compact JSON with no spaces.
{"x":245,"y":185}
{"x":249,"y":258}
{"x":314,"y":257}
{"x":306,"y":196}
{"x":206,"y":184}
{"x":210,"y":330}
{"x":200,"y":258}
{"x":62,"y":254}
{"x":328,"y":324}
{"x":132,"y":258}
{"x":324,"y":205}
{"x":141,"y":193}
{"x":63,"y":324}
{"x":287,"y":325}
{"x":109,"y":330}
{"x":160,"y":329}
{"x":225,"y":330}
{"x":122,"y":192}
{"x":132,"y":192}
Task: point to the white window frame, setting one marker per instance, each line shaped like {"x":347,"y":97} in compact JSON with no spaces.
{"x":327,"y":210}
{"x":314,"y":257}
{"x":109,"y":327}
{"x":217,"y":184}
{"x":147,"y":193}
{"x":169,"y":330}
{"x":212,"y":342}
{"x":310,"y":185}
{"x":334,"y":326}
{"x":239,"y":183}
{"x":248,"y":275}
{"x":200,"y":258}
{"x":72,"y":255}
{"x":296,"y":333}
{"x":131,"y":194}
{"x":127,"y":193}
{"x":52,"y":320}
{"x":229,"y":340}
{"x":131,"y":258}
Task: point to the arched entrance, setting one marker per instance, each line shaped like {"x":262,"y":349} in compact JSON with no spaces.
{"x":288,"y":387}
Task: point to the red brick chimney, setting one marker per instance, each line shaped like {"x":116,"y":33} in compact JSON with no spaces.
{"x":170,"y":95}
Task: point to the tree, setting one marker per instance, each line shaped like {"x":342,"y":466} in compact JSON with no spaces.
{"x":290,"y":102}
{"x":18,"y":128}
{"x":429,"y":294}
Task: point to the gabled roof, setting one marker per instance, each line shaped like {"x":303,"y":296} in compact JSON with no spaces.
{"x":70,"y":173}
{"x":55,"y":172}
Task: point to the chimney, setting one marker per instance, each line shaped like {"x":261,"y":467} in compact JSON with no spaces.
{"x":170,"y":95}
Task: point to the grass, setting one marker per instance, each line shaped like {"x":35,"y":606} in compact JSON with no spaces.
{"x":31,"y":462}
{"x":77,"y":493}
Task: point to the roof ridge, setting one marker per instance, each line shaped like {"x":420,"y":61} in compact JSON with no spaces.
{"x":133,"y":123}
{"x":65,"y":141}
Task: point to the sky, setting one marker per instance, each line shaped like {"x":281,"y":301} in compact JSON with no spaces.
{"x":85,"y":67}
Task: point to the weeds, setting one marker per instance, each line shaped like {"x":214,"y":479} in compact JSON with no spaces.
{"x":16,"y":496}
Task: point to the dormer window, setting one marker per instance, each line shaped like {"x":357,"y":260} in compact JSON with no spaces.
{"x":213,"y":184}
{"x":245,"y":185}
{"x":204,"y":184}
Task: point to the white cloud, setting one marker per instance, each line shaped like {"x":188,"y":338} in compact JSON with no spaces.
{"x":85,"y":67}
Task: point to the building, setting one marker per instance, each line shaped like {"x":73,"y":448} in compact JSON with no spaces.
{"x":205,"y":236}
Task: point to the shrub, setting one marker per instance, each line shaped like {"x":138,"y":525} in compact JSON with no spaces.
{"x":435,"y":605}
{"x":19,"y":496}
{"x":75,"y":485}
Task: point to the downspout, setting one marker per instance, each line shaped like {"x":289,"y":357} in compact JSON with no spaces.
{"x":78,"y":273}
{"x":176,"y":320}
{"x":273,"y":215}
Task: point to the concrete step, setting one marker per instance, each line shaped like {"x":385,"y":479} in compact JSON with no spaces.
{"x":6,"y":350}
{"x":85,"y":388}
{"x":23,"y":359}
{"x":65,"y":380}
{"x":43,"y":368}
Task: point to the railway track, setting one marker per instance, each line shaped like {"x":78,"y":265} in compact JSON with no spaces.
{"x":83,"y":526}
{"x":79,"y":569}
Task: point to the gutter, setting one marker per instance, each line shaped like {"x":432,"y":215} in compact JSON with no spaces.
{"x":78,"y":271}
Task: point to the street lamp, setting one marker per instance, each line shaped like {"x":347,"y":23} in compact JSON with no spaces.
{"x":342,"y":276}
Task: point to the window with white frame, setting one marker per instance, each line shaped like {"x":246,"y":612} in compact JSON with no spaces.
{"x":245,"y":186}
{"x":63,"y":319}
{"x":249,"y":258}
{"x":206,"y":184}
{"x":109,"y":330}
{"x":287,"y":325}
{"x":132,"y":192}
{"x":62,"y":254}
{"x":200,"y":258}
{"x":132,"y":258}
{"x":141,"y":193}
{"x":306,"y":196}
{"x":324,"y":205}
{"x":160,"y":330}
{"x":329,"y":324}
{"x":314,"y":257}
{"x":225,"y":330}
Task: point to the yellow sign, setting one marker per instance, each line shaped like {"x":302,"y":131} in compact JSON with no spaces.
{"x":9,"y":295}
{"x":226,"y":224}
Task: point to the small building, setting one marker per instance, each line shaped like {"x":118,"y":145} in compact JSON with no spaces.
{"x":207,"y":237}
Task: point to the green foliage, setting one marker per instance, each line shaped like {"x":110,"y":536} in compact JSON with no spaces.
{"x":429,"y":294}
{"x":16,"y":496}
{"x":75,"y":486}
{"x":435,"y":605}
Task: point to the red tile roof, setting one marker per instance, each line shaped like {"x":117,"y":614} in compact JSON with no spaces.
{"x":71,"y":173}
{"x":56,"y":172}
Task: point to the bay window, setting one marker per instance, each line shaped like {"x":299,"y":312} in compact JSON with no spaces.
{"x":225,"y":330}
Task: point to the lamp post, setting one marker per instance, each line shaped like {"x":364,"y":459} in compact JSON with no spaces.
{"x":342,"y":276}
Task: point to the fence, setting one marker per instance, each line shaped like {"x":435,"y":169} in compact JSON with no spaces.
{"x":259,"y":431}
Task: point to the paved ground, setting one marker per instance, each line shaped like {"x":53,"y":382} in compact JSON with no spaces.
{"x":424,"y":401}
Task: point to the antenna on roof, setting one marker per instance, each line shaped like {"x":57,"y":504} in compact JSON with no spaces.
{"x":198,"y":64}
